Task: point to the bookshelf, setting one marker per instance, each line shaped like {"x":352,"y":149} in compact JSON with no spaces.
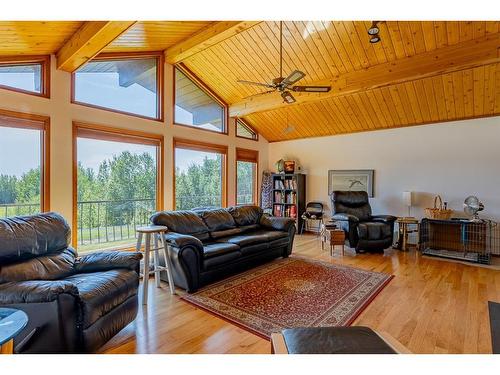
{"x":289,"y":196}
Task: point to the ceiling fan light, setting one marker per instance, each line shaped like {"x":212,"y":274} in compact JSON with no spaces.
{"x":375,"y":39}
{"x":287,"y":97}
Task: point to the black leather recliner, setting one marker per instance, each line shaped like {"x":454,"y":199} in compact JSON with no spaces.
{"x":73,"y":304}
{"x":364,"y":231}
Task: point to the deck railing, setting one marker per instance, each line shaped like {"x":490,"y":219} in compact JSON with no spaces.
{"x":19,"y":209}
{"x":113,"y":221}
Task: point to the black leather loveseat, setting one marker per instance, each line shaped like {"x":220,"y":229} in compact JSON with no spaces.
{"x":208,"y":244}
{"x":73,"y":304}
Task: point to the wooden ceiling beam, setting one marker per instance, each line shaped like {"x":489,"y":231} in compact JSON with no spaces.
{"x":90,"y":39}
{"x":470,"y":54}
{"x":206,"y":38}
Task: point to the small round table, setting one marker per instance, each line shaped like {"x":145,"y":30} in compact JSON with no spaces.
{"x":12,"y":321}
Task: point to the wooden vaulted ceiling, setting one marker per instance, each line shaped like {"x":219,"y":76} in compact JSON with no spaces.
{"x":420,"y":72}
{"x":339,"y":53}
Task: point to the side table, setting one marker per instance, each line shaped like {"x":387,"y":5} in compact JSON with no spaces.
{"x":334,"y":237}
{"x":404,"y":230}
{"x":12,"y":321}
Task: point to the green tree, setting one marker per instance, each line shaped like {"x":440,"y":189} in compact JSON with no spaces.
{"x":8,"y":190}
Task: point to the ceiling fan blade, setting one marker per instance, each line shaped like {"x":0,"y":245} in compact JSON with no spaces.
{"x":311,"y":88}
{"x":287,"y":97}
{"x":293,"y":77}
{"x":256,"y":83}
{"x":260,"y":93}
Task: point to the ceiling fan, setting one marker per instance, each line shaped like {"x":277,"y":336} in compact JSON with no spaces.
{"x":285,"y":85}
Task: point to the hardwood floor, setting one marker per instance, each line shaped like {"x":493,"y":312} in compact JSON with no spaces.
{"x":431,"y":306}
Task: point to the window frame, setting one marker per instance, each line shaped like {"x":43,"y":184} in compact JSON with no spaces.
{"x":43,"y":60}
{"x":188,"y":144}
{"x":160,"y":68}
{"x":22,"y":120}
{"x":107,"y":133}
{"x":251,"y":156}
{"x":203,"y":87}
{"x":247,"y":125}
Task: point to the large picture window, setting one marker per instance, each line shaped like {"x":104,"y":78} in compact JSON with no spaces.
{"x":24,"y":164}
{"x":200,"y":175}
{"x":246,"y":176}
{"x":118,"y":185}
{"x":130,"y":84}
{"x":196,"y":106}
{"x":29,"y":74}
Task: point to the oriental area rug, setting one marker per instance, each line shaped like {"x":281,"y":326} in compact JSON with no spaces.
{"x":292,"y":292}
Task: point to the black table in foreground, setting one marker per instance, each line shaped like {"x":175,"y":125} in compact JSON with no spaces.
{"x":12,"y":321}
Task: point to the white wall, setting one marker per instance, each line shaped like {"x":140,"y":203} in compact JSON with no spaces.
{"x":453,"y":159}
{"x":62,"y":113}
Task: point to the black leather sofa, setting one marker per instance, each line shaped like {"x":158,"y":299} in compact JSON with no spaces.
{"x":364,"y":231}
{"x":209,"y":244}
{"x":73,"y":304}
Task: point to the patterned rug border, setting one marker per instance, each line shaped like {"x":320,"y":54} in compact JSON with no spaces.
{"x":276,"y":263}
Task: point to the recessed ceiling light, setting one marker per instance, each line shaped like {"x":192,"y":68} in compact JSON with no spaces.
{"x":375,"y":39}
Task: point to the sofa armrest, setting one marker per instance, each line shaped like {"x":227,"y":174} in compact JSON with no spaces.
{"x":384,"y":218}
{"x":282,"y":224}
{"x":345,"y":217}
{"x":182,"y":240}
{"x":35,"y":291}
{"x":105,"y":261}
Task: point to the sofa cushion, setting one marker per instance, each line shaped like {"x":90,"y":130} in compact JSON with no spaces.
{"x":254,"y":248}
{"x":101,"y":292}
{"x":45,"y":267}
{"x":272,"y":235}
{"x":373,"y":230}
{"x":245,"y":215}
{"x":249,"y":228}
{"x":26,"y":237}
{"x":245,"y":239}
{"x":217,"y":220}
{"x":221,"y":260}
{"x":184,"y":222}
{"x":218,"y":248}
{"x":225,"y":233}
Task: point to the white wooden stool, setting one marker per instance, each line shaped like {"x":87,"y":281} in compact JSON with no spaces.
{"x":158,"y":232}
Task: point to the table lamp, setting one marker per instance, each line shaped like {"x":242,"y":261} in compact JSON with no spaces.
{"x":408,"y":200}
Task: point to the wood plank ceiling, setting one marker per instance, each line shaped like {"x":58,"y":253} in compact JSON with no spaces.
{"x":328,"y":49}
{"x":324,"y":50}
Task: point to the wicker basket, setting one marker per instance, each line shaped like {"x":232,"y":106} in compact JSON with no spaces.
{"x":438,"y":212}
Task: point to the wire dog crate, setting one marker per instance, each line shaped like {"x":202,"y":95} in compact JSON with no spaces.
{"x":460,"y":239}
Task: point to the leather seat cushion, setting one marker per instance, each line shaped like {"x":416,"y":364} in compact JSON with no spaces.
{"x":226,"y":232}
{"x":246,"y":215}
{"x":101,"y":292}
{"x":215,"y":249}
{"x":255,"y":248}
{"x":221,"y":260}
{"x":245,"y":240}
{"x":373,"y":230}
{"x":272,"y":235}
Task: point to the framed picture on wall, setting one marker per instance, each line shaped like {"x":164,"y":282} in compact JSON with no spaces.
{"x":351,"y":180}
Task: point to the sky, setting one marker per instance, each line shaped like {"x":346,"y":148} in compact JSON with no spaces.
{"x":100,"y":89}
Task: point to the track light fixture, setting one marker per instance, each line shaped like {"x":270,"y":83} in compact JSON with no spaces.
{"x":373,"y":31}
